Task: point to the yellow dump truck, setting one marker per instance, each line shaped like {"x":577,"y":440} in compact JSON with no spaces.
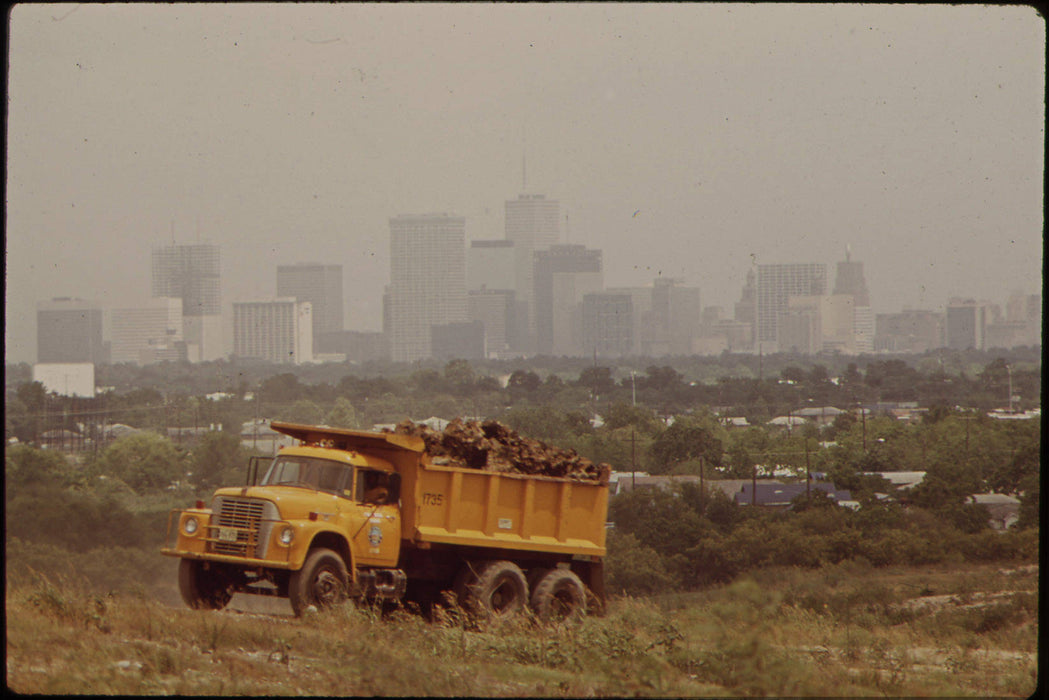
{"x":368,"y":515}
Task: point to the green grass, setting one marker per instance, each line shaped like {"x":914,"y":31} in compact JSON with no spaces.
{"x":847,"y":630}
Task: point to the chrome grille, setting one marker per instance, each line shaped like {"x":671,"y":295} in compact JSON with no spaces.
{"x":248,"y":516}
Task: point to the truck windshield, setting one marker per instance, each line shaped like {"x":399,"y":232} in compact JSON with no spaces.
{"x":311,"y":473}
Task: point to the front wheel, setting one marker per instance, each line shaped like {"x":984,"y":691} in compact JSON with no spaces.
{"x":203,"y":588}
{"x":322,"y":582}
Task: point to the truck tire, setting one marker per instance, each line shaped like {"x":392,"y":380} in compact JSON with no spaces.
{"x":202,"y":589}
{"x":558,"y":595}
{"x":322,"y":581}
{"x":500,"y":589}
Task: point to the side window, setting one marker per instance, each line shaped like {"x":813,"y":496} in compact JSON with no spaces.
{"x":375,"y":487}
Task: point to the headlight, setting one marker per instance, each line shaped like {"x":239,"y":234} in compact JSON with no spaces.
{"x":189,"y":525}
{"x":286,"y":535}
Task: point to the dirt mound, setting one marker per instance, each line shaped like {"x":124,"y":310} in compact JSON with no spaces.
{"x":492,"y":445}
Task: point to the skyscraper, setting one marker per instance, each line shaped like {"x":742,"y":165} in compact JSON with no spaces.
{"x":850,"y":281}
{"x":192,"y":274}
{"x":563,"y":275}
{"x":69,"y":330}
{"x":427,"y":281}
{"x":776,"y":284}
{"x":321,"y":285}
{"x":533,"y":223}
{"x":966,"y":323}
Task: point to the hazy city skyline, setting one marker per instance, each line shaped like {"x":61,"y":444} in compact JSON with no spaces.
{"x":684,"y":141}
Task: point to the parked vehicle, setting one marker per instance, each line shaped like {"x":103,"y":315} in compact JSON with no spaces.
{"x":368,"y":515}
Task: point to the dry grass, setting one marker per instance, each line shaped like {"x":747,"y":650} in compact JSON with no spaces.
{"x":846,"y":630}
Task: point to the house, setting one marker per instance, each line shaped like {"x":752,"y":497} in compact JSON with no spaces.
{"x":780,"y":495}
{"x":901,"y":480}
{"x":821,"y":415}
{"x":1004,"y":510}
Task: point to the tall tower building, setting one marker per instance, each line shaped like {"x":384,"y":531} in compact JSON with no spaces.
{"x":563,"y":275}
{"x":192,"y":273}
{"x":776,"y":284}
{"x":277,"y":330}
{"x":850,"y":281}
{"x":69,"y":330}
{"x":321,"y":285}
{"x":427,"y":281}
{"x":533,"y":223}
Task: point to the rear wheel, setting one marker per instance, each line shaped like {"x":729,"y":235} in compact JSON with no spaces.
{"x":322,"y":581}
{"x":498,"y":589}
{"x":558,"y":595}
{"x":203,"y":587}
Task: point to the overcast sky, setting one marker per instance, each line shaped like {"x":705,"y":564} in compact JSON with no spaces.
{"x":683,"y":140}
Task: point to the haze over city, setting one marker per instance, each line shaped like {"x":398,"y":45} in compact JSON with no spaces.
{"x":684,"y":141}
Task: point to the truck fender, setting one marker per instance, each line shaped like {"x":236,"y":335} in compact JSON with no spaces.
{"x":335,"y":541}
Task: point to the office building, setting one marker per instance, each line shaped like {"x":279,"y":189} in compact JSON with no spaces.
{"x":495,"y":310}
{"x":277,"y":330}
{"x":533,"y":223}
{"x":491,"y":264}
{"x":148,"y":333}
{"x":775,"y":285}
{"x":910,"y":330}
{"x":319,"y":284}
{"x":850,"y":280}
{"x":191,"y":273}
{"x":463,"y":340}
{"x":674,"y":321}
{"x":69,"y":331}
{"x":427,"y":281}
{"x":966,"y":323}
{"x":563,"y":275}
{"x":609,"y":324}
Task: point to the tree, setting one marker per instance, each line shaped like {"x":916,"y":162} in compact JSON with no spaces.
{"x":459,"y":376}
{"x":25,"y":465}
{"x":621,"y":415}
{"x":342,"y":415}
{"x":143,"y":461}
{"x":687,"y":439}
{"x":216,"y":458}
{"x":303,"y":411}
{"x":522,"y":382}
{"x":281,"y":388}
{"x":597,"y":379}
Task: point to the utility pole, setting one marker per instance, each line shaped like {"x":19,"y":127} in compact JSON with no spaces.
{"x":633,"y":459}
{"x":1009,"y":369}
{"x":808,"y":470}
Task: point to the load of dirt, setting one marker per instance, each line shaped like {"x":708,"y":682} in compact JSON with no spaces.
{"x":491,"y":445}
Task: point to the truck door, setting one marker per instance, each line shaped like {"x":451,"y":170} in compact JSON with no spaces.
{"x":377,"y":530}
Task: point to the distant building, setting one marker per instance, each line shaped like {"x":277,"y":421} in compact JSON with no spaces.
{"x":911,"y":330}
{"x":674,"y":320}
{"x":563,"y":275}
{"x":66,"y":378}
{"x":148,"y":333}
{"x":609,"y":324}
{"x":278,"y":330}
{"x":464,"y":340}
{"x":319,"y":284}
{"x":966,"y":324}
{"x":496,"y":311}
{"x":69,"y":330}
{"x":356,"y":346}
{"x":533,"y":223}
{"x":775,"y":285}
{"x":427,"y":281}
{"x":779,"y":496}
{"x":192,"y":273}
